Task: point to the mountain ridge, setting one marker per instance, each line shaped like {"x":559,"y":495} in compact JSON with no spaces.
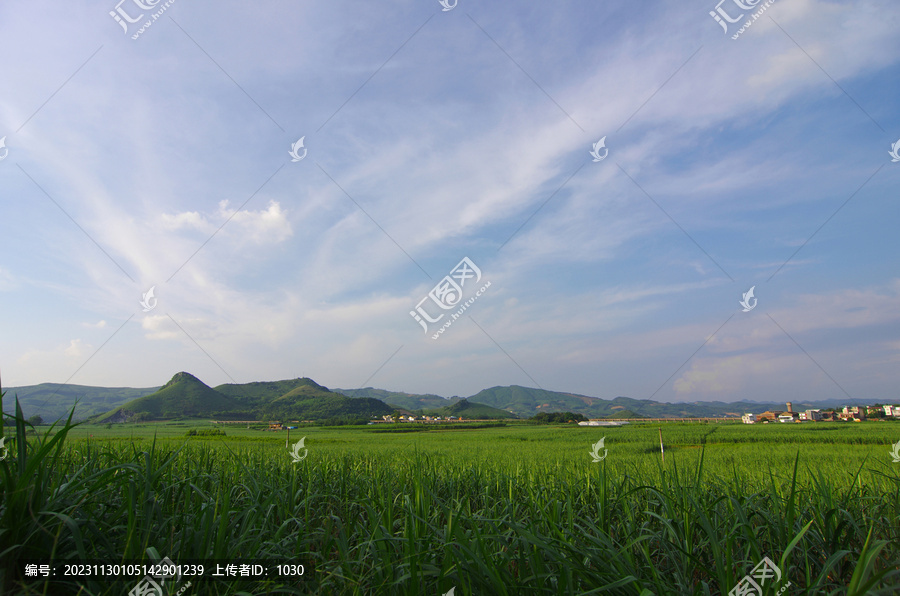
{"x":53,"y":401}
{"x":186,"y":396}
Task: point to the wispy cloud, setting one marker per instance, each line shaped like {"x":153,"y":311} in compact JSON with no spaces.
{"x":450,"y":150}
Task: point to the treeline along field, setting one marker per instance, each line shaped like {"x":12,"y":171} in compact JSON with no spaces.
{"x":510,"y":510}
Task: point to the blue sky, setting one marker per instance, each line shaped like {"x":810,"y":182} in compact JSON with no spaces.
{"x":430,"y":136}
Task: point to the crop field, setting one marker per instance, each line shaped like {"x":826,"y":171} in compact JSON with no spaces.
{"x":515,"y":509}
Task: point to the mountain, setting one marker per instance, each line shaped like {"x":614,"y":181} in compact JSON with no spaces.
{"x":186,"y":396}
{"x":470,"y":409}
{"x":54,"y":401}
{"x":247,"y":401}
{"x":405,"y":401}
{"x":265,"y":390}
{"x":527,"y":401}
{"x":303,"y":404}
{"x":625,"y":414}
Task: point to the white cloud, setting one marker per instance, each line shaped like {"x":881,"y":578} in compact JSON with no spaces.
{"x":159,"y":327}
{"x":50,"y":365}
{"x":77,"y":349}
{"x":263,"y":226}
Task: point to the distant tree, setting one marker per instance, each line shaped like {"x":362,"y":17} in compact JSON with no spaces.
{"x":557,"y":417}
{"x":35,"y":420}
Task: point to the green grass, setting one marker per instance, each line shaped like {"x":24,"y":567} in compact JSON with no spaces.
{"x":518,"y":509}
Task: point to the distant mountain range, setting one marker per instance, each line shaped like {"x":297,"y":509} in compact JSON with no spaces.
{"x":185,"y":396}
{"x":52,"y":401}
{"x":526,"y":402}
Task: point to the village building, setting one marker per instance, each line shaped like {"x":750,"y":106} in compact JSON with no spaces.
{"x":769,"y":415}
{"x":854,"y":413}
{"x":846,"y":413}
{"x":811,"y":415}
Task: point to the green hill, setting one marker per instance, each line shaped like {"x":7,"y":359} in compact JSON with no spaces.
{"x":301,"y":399}
{"x":54,"y":401}
{"x":260,"y":391}
{"x":470,"y":409}
{"x":184,"y":396}
{"x":308,"y":403}
{"x":625,"y":414}
{"x":527,"y":401}
{"x":405,"y":401}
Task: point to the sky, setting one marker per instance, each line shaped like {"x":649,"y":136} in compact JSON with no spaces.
{"x":574,"y":196}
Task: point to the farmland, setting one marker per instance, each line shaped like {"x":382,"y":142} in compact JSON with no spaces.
{"x":517,"y":509}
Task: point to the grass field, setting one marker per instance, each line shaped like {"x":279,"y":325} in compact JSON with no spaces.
{"x":518,"y":509}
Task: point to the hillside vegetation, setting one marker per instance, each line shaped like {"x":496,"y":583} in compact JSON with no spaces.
{"x":405,"y":401}
{"x":249,"y":401}
{"x":186,"y":396}
{"x":469,"y":409}
{"x":53,"y":401}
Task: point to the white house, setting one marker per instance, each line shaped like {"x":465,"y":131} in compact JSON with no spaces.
{"x":749,"y":418}
{"x":812,"y":415}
